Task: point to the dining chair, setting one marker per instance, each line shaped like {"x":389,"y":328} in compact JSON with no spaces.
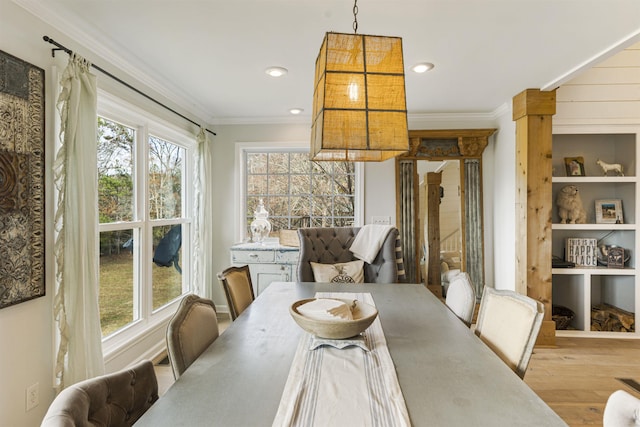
{"x":461,"y":297}
{"x":238,"y":289}
{"x":330,"y":245}
{"x":114,"y":400}
{"x":193,"y":327}
{"x":622,"y":409}
{"x":509,"y":323}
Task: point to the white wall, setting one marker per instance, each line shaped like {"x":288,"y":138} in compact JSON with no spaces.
{"x":500,"y":195}
{"x":607,"y":93}
{"x":26,"y":329}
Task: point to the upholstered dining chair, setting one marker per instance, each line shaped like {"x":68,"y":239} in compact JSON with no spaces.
{"x":114,"y":400}
{"x":461,"y":297}
{"x":509,"y":324}
{"x":621,"y":410}
{"x":330,"y":245}
{"x":238,"y":289}
{"x":191,"y":330}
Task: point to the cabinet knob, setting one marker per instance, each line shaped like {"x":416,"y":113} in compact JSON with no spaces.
{"x":253,"y":255}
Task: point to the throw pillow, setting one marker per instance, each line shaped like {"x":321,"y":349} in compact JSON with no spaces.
{"x":345,"y":272}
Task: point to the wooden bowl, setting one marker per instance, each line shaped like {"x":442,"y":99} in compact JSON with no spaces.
{"x":363,"y":316}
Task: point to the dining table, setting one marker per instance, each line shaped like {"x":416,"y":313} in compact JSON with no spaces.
{"x":447,"y":375}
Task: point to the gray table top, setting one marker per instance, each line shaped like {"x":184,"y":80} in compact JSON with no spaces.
{"x":447,"y":375}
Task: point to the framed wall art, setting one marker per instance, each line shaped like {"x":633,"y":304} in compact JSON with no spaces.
{"x":574,"y":166}
{"x":22,"y":159}
{"x":609,"y":211}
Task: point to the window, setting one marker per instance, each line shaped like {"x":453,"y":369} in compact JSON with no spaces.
{"x":298,"y":192}
{"x":144,"y":232}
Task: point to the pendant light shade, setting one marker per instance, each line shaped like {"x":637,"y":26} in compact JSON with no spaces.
{"x":359,"y":103}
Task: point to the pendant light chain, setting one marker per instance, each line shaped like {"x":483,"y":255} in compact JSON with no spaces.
{"x":355,"y":16}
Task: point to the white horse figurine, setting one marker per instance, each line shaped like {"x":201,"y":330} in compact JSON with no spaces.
{"x":606,"y":167}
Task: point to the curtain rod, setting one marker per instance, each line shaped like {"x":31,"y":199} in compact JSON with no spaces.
{"x":69,"y":51}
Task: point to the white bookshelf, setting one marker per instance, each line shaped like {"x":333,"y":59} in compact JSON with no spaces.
{"x":580,"y":288}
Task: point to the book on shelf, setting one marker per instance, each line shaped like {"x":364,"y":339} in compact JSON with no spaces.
{"x":582,"y":251}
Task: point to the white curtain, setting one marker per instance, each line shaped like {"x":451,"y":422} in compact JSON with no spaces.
{"x":76,"y":227}
{"x":203,"y":275}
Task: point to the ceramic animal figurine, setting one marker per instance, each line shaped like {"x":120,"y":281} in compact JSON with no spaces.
{"x":570,"y":209}
{"x":606,"y":167}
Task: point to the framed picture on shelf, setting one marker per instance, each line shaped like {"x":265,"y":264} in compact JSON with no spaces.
{"x":609,"y":211}
{"x":574,"y":166}
{"x":615,"y":257}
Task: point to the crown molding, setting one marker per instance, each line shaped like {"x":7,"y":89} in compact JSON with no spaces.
{"x":104,"y":51}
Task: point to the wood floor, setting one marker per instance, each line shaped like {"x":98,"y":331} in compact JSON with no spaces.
{"x":575,"y":377}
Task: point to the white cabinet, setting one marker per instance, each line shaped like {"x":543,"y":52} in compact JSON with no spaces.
{"x":583,"y":288}
{"x":267,"y":263}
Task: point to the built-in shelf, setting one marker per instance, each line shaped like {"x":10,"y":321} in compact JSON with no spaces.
{"x":582,"y":288}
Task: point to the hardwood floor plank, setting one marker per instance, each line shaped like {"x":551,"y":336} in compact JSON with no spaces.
{"x":577,"y":376}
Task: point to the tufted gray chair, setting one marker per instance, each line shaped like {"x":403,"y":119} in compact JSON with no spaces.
{"x":330,"y":245}
{"x":191,"y":330}
{"x":113,"y":400}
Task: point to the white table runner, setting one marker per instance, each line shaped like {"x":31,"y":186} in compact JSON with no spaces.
{"x":343,"y":387}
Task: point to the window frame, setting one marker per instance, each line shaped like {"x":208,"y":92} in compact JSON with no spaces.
{"x":241,"y":148}
{"x":147,"y":124}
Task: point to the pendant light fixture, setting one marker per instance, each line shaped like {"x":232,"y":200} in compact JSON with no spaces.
{"x":359,"y":102}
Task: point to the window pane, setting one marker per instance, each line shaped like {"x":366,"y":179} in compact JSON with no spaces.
{"x":321,"y":206}
{"x":257,"y":185}
{"x":165,"y":179}
{"x":278,"y":163}
{"x":322,"y":185}
{"x":115,"y":171}
{"x":300,"y":206}
{"x":343,"y":206}
{"x":344,"y":167}
{"x":344,"y":184}
{"x":278,"y":184}
{"x":167,"y":264}
{"x":278,"y":206}
{"x":116,"y":280}
{"x":292,"y":181}
{"x":256,"y":163}
{"x":300,"y":163}
{"x":278,"y":223}
{"x":300,"y":184}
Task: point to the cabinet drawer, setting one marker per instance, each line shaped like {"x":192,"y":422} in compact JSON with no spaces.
{"x":287,"y":257}
{"x":248,"y":257}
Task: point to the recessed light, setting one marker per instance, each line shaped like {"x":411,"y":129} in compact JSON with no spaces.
{"x":296,"y":111}
{"x":422,"y":67}
{"x":276,"y":71}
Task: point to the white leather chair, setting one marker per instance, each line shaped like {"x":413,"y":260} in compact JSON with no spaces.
{"x":509,"y":324}
{"x":622,"y":410}
{"x":191,"y":330}
{"x":461,"y":297}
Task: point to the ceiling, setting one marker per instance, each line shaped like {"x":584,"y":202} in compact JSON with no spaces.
{"x":208,"y":56}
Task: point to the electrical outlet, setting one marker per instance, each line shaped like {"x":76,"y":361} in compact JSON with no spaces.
{"x":33,"y":396}
{"x":382,"y":220}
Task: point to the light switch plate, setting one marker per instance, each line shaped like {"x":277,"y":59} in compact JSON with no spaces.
{"x":382,"y":220}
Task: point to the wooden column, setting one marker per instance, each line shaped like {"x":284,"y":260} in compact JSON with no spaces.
{"x":434,"y":282}
{"x":532,"y":111}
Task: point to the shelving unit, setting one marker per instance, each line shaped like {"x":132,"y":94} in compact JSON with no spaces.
{"x":582,"y":288}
